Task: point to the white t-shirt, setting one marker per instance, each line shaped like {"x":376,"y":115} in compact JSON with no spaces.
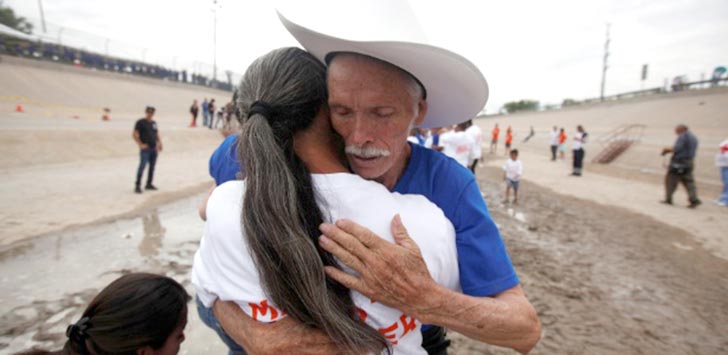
{"x":477,"y":135}
{"x":578,"y":140}
{"x":459,"y":146}
{"x":554,"y":137}
{"x":224,"y":268}
{"x":513,"y":169}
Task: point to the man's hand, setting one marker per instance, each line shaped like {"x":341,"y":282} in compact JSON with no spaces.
{"x":143,"y":146}
{"x":666,"y":151}
{"x":395,"y":275}
{"x":159,"y":147}
{"x":286,"y":336}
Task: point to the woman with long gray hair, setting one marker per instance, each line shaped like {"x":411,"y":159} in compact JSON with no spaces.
{"x":260,"y":247}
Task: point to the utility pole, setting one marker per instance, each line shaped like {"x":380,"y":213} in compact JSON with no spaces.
{"x":214,"y":42}
{"x":604,"y":64}
{"x":42,"y":16}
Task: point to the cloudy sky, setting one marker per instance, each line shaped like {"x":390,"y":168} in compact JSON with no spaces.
{"x":540,"y":50}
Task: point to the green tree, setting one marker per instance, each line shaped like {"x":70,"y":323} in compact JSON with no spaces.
{"x":8,"y":18}
{"x":523,"y":105}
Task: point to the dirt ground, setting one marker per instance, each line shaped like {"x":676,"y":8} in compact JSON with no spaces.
{"x":604,"y":280}
{"x":608,"y":281}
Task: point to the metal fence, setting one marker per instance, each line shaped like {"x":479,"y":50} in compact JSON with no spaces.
{"x":71,"y":46}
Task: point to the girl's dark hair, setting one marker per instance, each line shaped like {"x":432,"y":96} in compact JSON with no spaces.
{"x":280,"y":94}
{"x":134,"y":311}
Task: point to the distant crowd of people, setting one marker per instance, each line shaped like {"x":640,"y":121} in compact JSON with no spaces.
{"x":86,"y":59}
{"x":212,"y":115}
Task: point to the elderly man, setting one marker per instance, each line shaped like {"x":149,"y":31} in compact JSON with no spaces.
{"x":374,"y":104}
{"x":681,"y":166}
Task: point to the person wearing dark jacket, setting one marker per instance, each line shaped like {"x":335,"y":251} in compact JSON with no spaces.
{"x":681,"y":166}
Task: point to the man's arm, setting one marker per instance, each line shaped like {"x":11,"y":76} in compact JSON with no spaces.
{"x":135,"y":135}
{"x":286,"y":336}
{"x":159,"y":142}
{"x":397,"y":276}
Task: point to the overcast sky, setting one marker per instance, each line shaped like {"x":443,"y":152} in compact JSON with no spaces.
{"x":540,"y":50}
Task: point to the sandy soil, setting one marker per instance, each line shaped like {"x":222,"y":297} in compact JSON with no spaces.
{"x":609,"y":269}
{"x":62,"y":166}
{"x":606,"y":280}
{"x":635,"y":180}
{"x":56,"y":178}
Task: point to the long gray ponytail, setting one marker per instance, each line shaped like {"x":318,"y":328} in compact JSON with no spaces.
{"x":280,"y":215}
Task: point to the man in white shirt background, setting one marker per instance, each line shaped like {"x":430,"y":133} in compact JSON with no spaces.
{"x":477,"y":135}
{"x":554,"y":135}
{"x":458,"y":144}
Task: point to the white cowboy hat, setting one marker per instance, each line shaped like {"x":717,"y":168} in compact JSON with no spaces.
{"x":456,"y":89}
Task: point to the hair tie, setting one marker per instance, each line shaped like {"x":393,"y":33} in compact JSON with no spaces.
{"x":261,"y":108}
{"x":77,"y":332}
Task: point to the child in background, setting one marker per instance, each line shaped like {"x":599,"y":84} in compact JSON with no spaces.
{"x":509,"y":139}
{"x":562,"y":143}
{"x":512,"y":172}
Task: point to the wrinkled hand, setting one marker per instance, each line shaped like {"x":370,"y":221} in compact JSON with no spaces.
{"x":285,"y":336}
{"x":395,"y":275}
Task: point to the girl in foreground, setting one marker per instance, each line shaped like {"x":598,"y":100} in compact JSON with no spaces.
{"x":137,"y":314}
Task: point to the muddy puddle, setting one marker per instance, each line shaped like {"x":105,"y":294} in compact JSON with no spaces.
{"x":47,"y":282}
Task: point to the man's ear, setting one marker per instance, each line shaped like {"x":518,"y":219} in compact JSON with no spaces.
{"x":421,"y":112}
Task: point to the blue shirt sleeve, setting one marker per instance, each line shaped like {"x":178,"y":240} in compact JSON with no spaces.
{"x":485,"y":267}
{"x":224,"y":164}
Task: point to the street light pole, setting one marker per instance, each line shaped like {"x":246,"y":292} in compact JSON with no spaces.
{"x":42,"y":16}
{"x":604,"y":65}
{"x":214,"y":42}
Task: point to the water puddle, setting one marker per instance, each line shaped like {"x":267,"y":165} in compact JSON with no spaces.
{"x":47,"y":282}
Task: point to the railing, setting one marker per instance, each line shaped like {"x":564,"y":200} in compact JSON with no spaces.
{"x":618,"y":141}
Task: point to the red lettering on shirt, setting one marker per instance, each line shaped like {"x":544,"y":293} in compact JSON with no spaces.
{"x":408,"y":325}
{"x":362,"y":314}
{"x":263,"y":308}
{"x":389,"y":333}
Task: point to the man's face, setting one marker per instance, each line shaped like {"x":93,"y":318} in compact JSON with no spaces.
{"x":373,"y":109}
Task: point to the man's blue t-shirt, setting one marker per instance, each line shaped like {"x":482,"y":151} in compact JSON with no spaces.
{"x":224,"y":162}
{"x":485,"y":267}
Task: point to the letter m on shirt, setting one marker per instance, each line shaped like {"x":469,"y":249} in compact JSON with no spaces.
{"x":260,"y":311}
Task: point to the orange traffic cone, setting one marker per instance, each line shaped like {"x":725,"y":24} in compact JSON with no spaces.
{"x":19,"y":108}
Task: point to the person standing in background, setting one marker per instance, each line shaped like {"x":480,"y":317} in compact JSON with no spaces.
{"x":562,"y":143}
{"x":205,"y":113}
{"x":458,"y":144}
{"x":146,"y":135}
{"x":211,"y":112}
{"x":681,"y":166}
{"x":578,"y":147}
{"x":194,"y":109}
{"x":554,"y":135}
{"x":512,"y":173}
{"x":494,"y":140}
{"x":721,"y":161}
{"x":477,"y":135}
{"x":509,"y":139}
